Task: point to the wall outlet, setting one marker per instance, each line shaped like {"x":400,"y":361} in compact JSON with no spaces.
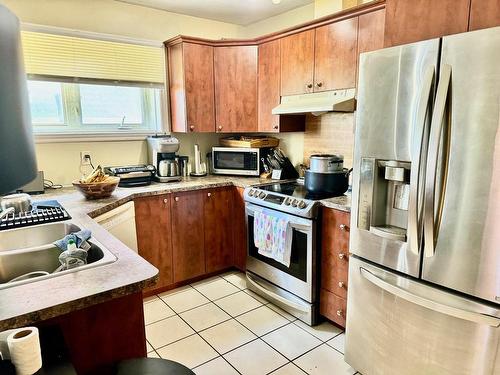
{"x":85,"y":158}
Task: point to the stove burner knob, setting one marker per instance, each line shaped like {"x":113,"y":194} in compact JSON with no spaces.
{"x":262,"y":195}
{"x":287,"y":201}
{"x":294,"y":202}
{"x":302,"y":204}
{"x":250,"y":193}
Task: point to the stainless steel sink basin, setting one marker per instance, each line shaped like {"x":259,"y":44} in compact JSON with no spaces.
{"x":37,"y":235}
{"x":31,"y":251}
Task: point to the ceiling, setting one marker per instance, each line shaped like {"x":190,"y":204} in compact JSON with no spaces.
{"x":241,"y":12}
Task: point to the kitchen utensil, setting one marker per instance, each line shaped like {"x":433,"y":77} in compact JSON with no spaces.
{"x":98,"y":190}
{"x":20,"y":202}
{"x":326,"y":163}
{"x":264,"y":165}
{"x":328,"y":184}
{"x":183,"y":164}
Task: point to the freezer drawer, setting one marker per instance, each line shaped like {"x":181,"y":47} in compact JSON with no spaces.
{"x":399,"y":326}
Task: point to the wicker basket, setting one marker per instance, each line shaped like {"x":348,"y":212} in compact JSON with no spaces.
{"x":249,"y":142}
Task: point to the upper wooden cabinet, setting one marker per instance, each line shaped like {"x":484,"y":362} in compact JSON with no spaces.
{"x":154,"y":235}
{"x":408,"y":21}
{"x":269,"y":85}
{"x":484,"y":14}
{"x":236,"y":88}
{"x":335,"y":55}
{"x":297,"y":63}
{"x":191,"y":87}
{"x":371,"y":31}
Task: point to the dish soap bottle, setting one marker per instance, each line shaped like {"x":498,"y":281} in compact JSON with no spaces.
{"x":73,"y":256}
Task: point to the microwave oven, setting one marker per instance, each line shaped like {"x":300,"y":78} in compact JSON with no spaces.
{"x":243,"y":161}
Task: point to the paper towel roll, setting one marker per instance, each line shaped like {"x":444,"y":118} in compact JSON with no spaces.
{"x":4,"y":347}
{"x":24,"y":348}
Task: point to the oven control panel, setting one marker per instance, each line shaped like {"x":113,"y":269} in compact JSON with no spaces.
{"x":280,"y":202}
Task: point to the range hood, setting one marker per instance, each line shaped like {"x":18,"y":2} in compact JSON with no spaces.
{"x":317,"y":103}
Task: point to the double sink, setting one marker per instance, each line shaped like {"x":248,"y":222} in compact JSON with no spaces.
{"x":29,"y":255}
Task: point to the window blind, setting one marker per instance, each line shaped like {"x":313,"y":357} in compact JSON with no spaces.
{"x":52,"y":55}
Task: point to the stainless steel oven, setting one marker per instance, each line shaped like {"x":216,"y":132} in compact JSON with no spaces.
{"x":292,"y":288}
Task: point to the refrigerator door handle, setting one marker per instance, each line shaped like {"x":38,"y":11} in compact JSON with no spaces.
{"x":437,"y":124}
{"x":418,"y":140}
{"x":429,"y":303}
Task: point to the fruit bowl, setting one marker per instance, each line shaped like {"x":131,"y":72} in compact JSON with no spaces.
{"x":97,"y":190}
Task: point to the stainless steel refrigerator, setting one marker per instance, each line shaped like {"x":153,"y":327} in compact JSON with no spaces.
{"x":424,"y":276}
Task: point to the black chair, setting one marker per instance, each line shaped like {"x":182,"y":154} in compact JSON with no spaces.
{"x":151,"y":366}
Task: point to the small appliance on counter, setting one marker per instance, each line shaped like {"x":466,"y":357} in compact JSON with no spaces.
{"x":326,"y":176}
{"x":162,"y":155}
{"x":132,"y":175}
{"x":200,"y":169}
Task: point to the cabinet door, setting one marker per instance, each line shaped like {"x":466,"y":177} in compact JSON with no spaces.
{"x":219,"y":252}
{"x":408,"y":21}
{"x":239,"y":229}
{"x":188,"y":235}
{"x":371,"y":31}
{"x":236,"y":89}
{"x":269,"y":85}
{"x":334,"y":251}
{"x":154,"y":235}
{"x":336,"y":55}
{"x":191,"y":87}
{"x":176,"y":88}
{"x":297,"y":63}
{"x":199,"y":81}
{"x":484,"y":14}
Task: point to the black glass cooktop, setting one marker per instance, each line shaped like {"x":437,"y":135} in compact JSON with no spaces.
{"x":292,"y":189}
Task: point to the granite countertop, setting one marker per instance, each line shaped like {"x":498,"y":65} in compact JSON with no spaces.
{"x":32,"y":302}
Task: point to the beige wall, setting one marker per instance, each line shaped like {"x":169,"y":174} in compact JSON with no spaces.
{"x":282,"y":21}
{"x":60,"y":161}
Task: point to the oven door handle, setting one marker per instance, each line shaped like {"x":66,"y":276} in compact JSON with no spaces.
{"x":304,"y":226}
{"x":277,"y":297}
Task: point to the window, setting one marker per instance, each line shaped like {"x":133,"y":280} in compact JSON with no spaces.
{"x":59,"y":107}
{"x":92,"y":84}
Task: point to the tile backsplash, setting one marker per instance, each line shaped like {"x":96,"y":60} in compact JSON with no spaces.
{"x":331,"y":133}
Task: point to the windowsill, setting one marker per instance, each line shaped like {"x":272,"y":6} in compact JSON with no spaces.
{"x":91,"y":137}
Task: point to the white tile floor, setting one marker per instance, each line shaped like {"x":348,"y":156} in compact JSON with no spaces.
{"x":218,"y":327}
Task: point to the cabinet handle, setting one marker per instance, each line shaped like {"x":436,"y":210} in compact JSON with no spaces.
{"x":176,"y":199}
{"x":309,"y":85}
{"x":340,"y":313}
{"x":341,"y":284}
{"x":219,"y":127}
{"x":191,"y":128}
{"x":275,"y":127}
{"x":319,"y":84}
{"x":342,"y":256}
{"x":165,"y":200}
{"x":209,"y":194}
{"x":344,"y":227}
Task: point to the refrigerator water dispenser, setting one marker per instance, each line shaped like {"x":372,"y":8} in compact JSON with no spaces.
{"x":384,"y":196}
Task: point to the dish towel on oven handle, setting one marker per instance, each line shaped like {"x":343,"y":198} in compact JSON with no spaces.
{"x":273,"y":237}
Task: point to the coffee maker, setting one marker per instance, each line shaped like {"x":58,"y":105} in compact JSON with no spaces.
{"x":162,"y":150}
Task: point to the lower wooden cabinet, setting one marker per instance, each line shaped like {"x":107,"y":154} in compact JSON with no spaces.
{"x":334,"y":264}
{"x":188,"y":235}
{"x":333,"y":307}
{"x":154,"y":235}
{"x":218,"y":221}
